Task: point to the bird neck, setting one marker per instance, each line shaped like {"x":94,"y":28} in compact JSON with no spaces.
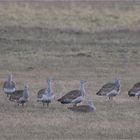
{"x":92,"y":105}
{"x":9,"y":79}
{"x":117,"y":83}
{"x":82,"y":89}
{"x":25,"y":93}
{"x":49,"y":87}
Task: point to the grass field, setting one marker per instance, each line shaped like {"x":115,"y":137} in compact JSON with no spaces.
{"x":96,"y":44}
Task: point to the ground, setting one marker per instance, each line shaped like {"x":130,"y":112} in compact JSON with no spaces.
{"x":70,"y":43}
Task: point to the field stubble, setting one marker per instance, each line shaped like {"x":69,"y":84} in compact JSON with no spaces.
{"x":70,"y":44}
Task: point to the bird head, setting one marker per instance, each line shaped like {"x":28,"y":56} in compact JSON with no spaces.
{"x":82,"y":81}
{"x":117,"y":82}
{"x":26,"y":86}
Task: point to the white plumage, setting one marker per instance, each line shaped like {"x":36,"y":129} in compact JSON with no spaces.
{"x":46,"y":96}
{"x":135,"y":90}
{"x":115,"y":91}
{"x":9,"y":85}
{"x":89,"y":107}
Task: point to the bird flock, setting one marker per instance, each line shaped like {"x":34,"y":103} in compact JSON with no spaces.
{"x":74,"y":97}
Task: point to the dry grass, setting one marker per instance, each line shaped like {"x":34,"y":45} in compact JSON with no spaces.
{"x":70,"y":44}
{"x":76,"y":18}
{"x":118,"y":119}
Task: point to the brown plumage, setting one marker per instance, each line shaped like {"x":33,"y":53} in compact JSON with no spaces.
{"x":20,"y":96}
{"x":105,"y":89}
{"x":74,"y":96}
{"x":135,"y":89}
{"x":84,"y":108}
{"x":41,"y":92}
{"x":15,"y":96}
{"x":67,"y":98}
{"x":108,"y":89}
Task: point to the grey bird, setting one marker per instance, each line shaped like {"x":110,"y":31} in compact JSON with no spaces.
{"x":110,"y":89}
{"x":89,"y":107}
{"x":46,"y":95}
{"x":9,"y":85}
{"x":20,"y":96}
{"x":74,"y":96}
{"x":135,"y":90}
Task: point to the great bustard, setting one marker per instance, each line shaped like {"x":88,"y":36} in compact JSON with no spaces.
{"x":89,"y":107}
{"x":46,"y":95}
{"x":20,"y":96}
{"x":9,"y":85}
{"x":110,"y":89}
{"x":135,"y":90}
{"x":74,"y":96}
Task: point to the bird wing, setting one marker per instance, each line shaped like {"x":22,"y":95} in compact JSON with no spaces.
{"x":7,"y":85}
{"x":22,"y":100}
{"x":135,"y":88}
{"x":112,"y":93}
{"x":71,"y":95}
{"x":16,"y":95}
{"x":77,"y":100}
{"x":41,"y":92}
{"x":106,"y":88}
{"x":137,"y":85}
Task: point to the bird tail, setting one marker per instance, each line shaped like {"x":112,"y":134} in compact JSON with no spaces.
{"x":130,"y":93}
{"x":98,"y":93}
{"x":59,"y":100}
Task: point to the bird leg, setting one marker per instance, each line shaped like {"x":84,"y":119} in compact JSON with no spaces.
{"x":138,"y":97}
{"x":47,"y":104}
{"x":43,"y":104}
{"x":23,"y":105}
{"x":10,"y":98}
